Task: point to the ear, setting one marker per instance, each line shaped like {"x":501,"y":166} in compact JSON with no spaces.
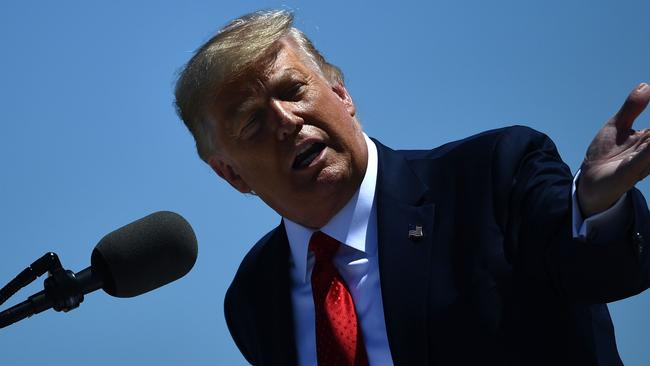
{"x":345,"y":97}
{"x":226,"y":171}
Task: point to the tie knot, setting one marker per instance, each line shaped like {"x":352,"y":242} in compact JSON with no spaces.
{"x":323,"y":246}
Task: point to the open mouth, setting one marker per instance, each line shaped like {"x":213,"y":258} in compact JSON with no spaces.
{"x":307,"y":154}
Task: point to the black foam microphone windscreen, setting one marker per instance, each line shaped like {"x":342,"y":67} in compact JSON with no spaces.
{"x":145,"y":254}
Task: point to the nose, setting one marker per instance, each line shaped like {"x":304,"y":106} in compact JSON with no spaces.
{"x":289,"y":122}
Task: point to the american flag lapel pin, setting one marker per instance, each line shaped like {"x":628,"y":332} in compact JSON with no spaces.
{"x":415,"y":232}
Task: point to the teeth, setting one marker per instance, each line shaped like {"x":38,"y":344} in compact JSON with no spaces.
{"x":306,"y":154}
{"x":305,"y":148}
{"x":309,"y":159}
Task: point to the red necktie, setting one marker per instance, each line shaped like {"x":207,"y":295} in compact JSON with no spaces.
{"x":338,"y":338}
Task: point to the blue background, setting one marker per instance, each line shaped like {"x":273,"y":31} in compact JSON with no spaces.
{"x":89,"y":140}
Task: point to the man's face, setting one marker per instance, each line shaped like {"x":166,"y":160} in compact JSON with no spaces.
{"x":291,"y":137}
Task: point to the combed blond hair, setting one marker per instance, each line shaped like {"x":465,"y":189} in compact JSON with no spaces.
{"x":232,"y":52}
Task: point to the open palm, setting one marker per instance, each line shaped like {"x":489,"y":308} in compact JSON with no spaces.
{"x":617,"y":157}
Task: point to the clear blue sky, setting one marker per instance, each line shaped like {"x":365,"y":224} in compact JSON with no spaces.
{"x":89,"y":140}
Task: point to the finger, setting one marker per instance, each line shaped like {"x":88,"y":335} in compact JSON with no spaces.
{"x":640,"y":160}
{"x":633,"y":106}
{"x":644,"y":171}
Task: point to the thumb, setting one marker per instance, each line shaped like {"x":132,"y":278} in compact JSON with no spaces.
{"x":633,"y":106}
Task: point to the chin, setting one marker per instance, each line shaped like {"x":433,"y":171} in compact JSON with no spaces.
{"x":334,"y":174}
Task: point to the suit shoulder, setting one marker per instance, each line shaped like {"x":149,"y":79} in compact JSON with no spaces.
{"x":483,"y":142}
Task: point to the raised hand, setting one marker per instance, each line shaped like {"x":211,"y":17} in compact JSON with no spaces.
{"x":617,"y":157}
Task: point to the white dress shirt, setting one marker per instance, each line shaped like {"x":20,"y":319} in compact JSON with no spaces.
{"x":613,"y":217}
{"x":355,"y":226}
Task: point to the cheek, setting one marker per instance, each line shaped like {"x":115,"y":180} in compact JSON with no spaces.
{"x":261,"y":168}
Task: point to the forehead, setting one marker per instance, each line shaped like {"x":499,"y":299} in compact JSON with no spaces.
{"x":285,"y":63}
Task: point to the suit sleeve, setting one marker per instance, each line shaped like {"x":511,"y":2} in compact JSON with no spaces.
{"x":530,"y":175}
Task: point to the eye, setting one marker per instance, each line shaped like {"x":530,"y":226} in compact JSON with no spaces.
{"x":251,"y":125}
{"x":293,"y":93}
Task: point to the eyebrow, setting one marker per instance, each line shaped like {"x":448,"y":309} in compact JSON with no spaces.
{"x":250,"y":89}
{"x":247,"y":105}
{"x":248,"y":93}
{"x":288,"y":74}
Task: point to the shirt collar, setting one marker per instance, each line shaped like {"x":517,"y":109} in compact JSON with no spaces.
{"x":349,"y":226}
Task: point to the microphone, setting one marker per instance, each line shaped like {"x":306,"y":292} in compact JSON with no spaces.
{"x":134,"y":259}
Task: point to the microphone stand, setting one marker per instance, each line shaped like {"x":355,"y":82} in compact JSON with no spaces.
{"x":64,"y":290}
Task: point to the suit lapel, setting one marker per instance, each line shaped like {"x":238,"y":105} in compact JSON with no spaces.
{"x":404,"y":262}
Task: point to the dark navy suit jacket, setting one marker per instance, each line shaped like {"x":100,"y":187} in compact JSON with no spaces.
{"x":497,"y":278}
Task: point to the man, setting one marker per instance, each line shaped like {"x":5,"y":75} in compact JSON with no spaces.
{"x":472,"y":253}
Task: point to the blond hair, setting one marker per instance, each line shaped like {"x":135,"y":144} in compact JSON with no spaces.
{"x":242,"y":44}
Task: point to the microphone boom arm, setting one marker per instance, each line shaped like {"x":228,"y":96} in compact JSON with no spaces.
{"x":64,"y":291}
{"x":49,"y":262}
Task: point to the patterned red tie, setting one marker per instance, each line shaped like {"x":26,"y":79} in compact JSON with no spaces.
{"x":338,"y":339}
